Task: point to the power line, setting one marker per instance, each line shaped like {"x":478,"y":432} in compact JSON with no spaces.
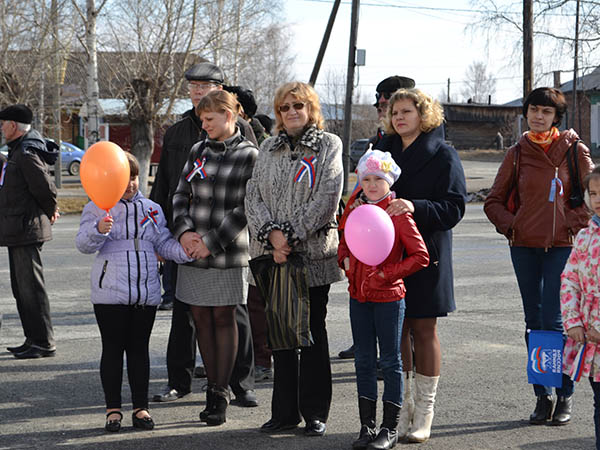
{"x":434,"y":8}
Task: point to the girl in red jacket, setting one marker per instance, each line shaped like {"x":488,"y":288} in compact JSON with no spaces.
{"x":377,"y":304}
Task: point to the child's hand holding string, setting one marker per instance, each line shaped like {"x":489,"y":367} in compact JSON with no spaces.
{"x":105,"y":225}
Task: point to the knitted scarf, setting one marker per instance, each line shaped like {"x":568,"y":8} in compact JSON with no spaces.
{"x":544,"y":139}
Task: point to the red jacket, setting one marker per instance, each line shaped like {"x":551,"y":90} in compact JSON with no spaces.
{"x":364,"y":282}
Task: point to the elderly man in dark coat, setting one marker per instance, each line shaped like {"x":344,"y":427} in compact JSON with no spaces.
{"x":28,"y":208}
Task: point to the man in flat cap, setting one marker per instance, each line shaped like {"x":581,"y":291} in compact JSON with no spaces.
{"x":383,"y":92}
{"x":202,"y":78}
{"x":28,"y":208}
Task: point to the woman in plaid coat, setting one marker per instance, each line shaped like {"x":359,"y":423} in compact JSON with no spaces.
{"x":210,"y":222}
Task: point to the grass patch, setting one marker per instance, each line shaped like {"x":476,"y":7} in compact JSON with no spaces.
{"x":71,"y":205}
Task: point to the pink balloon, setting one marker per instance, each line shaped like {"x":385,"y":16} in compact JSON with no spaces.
{"x":369,"y":233}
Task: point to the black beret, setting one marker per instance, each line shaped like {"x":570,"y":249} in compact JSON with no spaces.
{"x":393,"y":83}
{"x":17,"y":113}
{"x":205,"y":72}
{"x":266,"y":122}
{"x":245,"y":97}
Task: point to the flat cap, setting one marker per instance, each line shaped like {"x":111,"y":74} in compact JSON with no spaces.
{"x":17,"y":113}
{"x":245,"y":97}
{"x":395,"y":82}
{"x":205,"y":72}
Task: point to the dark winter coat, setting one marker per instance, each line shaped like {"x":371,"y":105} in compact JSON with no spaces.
{"x":177,"y":143}
{"x":433,"y":180}
{"x":27,"y":193}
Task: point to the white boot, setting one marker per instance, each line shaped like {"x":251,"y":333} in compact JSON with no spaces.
{"x":408,"y":405}
{"x":426,"y":388}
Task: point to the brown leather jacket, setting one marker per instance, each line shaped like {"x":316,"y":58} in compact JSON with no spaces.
{"x":539,"y":222}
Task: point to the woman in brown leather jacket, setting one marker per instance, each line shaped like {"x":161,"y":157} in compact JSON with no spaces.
{"x":540,"y":222}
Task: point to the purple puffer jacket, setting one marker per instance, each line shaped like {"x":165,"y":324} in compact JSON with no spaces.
{"x":125,"y":271}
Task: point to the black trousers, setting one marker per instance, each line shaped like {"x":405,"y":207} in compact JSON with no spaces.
{"x":302,"y":385}
{"x":125,"y":329}
{"x":29,"y":290}
{"x":181,"y":350}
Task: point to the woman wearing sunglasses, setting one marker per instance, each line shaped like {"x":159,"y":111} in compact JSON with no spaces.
{"x":291,"y":203}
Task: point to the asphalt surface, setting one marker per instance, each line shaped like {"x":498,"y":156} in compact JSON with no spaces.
{"x":483,"y":399}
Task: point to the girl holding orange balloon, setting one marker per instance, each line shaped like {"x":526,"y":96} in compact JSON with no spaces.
{"x":126,"y":287}
{"x":210,"y":222}
{"x":377,"y":293}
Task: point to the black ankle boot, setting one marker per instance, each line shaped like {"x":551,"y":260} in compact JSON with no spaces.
{"x":562,"y":412}
{"x":209,"y":403}
{"x":388,"y":433}
{"x":543,"y":410}
{"x":220,"y":401}
{"x":367,"y":409}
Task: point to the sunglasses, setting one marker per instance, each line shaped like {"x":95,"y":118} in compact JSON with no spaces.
{"x":286,"y":107}
{"x":385,"y":95}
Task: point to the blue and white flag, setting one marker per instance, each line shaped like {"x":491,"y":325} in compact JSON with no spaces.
{"x":544,"y":365}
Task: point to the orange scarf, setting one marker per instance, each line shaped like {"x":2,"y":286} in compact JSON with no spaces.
{"x":544,"y":139}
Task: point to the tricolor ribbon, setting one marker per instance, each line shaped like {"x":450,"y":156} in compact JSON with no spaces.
{"x":555,"y":182}
{"x":578,"y":362}
{"x":308,"y":166}
{"x":2,"y":173}
{"x":150,"y":218}
{"x":198,"y":169}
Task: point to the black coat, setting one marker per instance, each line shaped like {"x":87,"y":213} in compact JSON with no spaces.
{"x":177,"y":143}
{"x":27,"y":194}
{"x":433,"y":179}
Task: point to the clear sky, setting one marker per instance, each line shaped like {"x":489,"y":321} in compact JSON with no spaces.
{"x":412,"y":38}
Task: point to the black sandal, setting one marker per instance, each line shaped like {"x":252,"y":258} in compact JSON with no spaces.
{"x":145,"y":423}
{"x":115,"y":424}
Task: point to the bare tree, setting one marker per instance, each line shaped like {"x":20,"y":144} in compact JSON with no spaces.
{"x":554,"y":25}
{"x":478,"y":84}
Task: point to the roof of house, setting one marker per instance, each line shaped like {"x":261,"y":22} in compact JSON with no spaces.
{"x":589,"y":82}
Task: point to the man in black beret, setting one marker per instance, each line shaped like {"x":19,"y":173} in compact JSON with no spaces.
{"x":27,"y":196}
{"x":249,"y":106}
{"x":202,"y":78}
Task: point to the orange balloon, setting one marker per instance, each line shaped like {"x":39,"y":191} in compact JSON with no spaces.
{"x":104,"y":173}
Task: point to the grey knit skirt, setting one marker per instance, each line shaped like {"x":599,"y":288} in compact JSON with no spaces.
{"x":212,"y":287}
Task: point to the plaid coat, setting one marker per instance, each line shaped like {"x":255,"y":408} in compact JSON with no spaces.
{"x":210,"y":199}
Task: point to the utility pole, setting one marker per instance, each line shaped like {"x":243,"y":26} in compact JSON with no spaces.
{"x":349,"y":90}
{"x":324,"y":42}
{"x":527,"y":47}
{"x":448,"y":98}
{"x":56,"y":96}
{"x":575,"y":69}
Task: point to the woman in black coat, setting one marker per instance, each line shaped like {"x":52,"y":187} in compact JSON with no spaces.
{"x":432,"y":187}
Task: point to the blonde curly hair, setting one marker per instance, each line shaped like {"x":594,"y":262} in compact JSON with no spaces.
{"x":302,"y":92}
{"x":430,"y":111}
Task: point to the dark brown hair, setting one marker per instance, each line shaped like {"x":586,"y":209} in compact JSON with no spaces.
{"x":546,"y":96}
{"x":134,"y":165}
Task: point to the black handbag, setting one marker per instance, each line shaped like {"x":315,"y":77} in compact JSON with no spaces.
{"x":287,"y":307}
{"x":576,"y":197}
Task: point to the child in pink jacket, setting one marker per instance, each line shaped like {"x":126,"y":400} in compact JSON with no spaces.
{"x":580,"y":298}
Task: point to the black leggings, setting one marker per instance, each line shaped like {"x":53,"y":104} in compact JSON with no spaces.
{"x":125,"y":329}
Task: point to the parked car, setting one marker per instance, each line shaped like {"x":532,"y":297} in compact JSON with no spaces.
{"x":357,"y":149}
{"x":70,"y":157}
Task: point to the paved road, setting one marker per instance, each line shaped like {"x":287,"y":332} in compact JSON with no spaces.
{"x":483,"y":396}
